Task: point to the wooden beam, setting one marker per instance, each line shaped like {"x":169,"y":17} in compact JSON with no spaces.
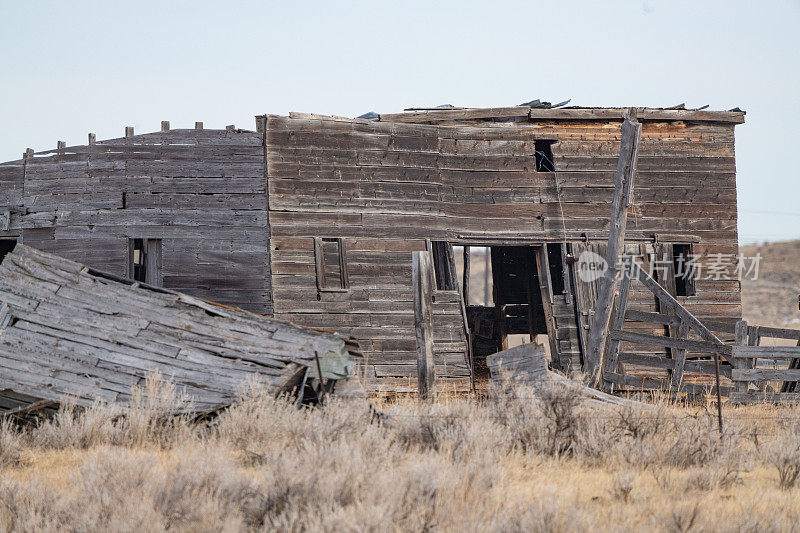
{"x":618,"y":322}
{"x":740,"y":340}
{"x":446,"y":115}
{"x":30,"y":408}
{"x":543,"y":268}
{"x":319,"y":263}
{"x":623,"y":195}
{"x":644,"y":114}
{"x":766,"y":352}
{"x":743,"y":375}
{"x":765,"y":397}
{"x":422,"y":282}
{"x":670,"y":342}
{"x":655,"y":318}
{"x":465,"y":282}
{"x":734,"y":117}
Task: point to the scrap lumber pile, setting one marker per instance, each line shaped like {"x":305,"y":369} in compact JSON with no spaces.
{"x":66,"y":329}
{"x":527,"y":365}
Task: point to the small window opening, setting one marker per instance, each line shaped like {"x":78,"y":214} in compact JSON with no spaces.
{"x":6,"y":247}
{"x":144,"y":264}
{"x":331,"y":264}
{"x":683,"y":258}
{"x":444,"y":266}
{"x":139,"y":261}
{"x":555,"y":261}
{"x":544,"y":156}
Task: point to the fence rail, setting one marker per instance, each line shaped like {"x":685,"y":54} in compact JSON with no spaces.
{"x":751,"y":382}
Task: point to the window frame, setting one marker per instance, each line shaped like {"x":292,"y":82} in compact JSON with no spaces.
{"x":687,"y":283}
{"x":320,"y":265}
{"x":152,"y":250}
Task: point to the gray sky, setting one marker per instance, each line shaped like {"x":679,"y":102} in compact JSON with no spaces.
{"x":74,"y":67}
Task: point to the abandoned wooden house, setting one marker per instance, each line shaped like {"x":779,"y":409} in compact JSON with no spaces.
{"x":314,"y":219}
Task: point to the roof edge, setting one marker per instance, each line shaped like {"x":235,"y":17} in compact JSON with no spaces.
{"x":734,"y":116}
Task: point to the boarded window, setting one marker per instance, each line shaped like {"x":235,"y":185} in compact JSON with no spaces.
{"x":144,"y":261}
{"x":6,"y":247}
{"x":331,"y":263}
{"x":544,"y":156}
{"x":683,"y":260}
{"x":444,"y":266}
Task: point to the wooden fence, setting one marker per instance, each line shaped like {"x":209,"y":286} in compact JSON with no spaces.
{"x":765,"y":373}
{"x":681,"y":324}
{"x":758,"y":373}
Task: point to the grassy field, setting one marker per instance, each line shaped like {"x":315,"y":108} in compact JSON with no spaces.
{"x":506,"y":463}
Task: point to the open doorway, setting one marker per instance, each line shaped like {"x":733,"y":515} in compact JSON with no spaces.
{"x":505,"y":298}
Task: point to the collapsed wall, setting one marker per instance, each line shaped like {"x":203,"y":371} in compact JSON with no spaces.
{"x":66,"y":329}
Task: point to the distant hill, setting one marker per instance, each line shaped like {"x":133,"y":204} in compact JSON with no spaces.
{"x":771,"y":300}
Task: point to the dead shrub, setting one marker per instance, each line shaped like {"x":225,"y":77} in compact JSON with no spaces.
{"x":11,"y":443}
{"x":784,"y":455}
{"x":76,"y":427}
{"x":622,"y":486}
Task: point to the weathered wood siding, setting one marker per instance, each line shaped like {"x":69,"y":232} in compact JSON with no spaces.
{"x":11,"y":180}
{"x":201,"y":191}
{"x":385,"y":187}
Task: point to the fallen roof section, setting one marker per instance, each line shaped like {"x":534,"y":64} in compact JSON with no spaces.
{"x":66,"y":329}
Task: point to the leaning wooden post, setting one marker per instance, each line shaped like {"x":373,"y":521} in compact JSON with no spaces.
{"x":421,"y":280}
{"x":623,"y":195}
{"x":740,"y":339}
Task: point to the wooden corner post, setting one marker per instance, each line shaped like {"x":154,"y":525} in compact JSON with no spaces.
{"x":422,"y":282}
{"x":623,"y":196}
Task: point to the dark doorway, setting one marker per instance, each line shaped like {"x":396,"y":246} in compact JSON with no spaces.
{"x":6,"y":247}
{"x":516,"y":309}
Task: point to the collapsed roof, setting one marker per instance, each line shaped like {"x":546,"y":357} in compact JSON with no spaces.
{"x":66,"y":329}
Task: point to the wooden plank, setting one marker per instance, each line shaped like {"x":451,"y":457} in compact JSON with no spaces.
{"x":755,"y":397}
{"x":740,"y":340}
{"x":645,"y":383}
{"x":465,"y":277}
{"x":668,"y":342}
{"x":422,"y":282}
{"x":457,"y":114}
{"x":656,"y":318}
{"x":626,"y":169}
{"x":733,"y":117}
{"x":766,"y":374}
{"x":545,"y":290}
{"x":766,"y":352}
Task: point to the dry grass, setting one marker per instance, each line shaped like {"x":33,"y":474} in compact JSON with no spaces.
{"x":507,"y":463}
